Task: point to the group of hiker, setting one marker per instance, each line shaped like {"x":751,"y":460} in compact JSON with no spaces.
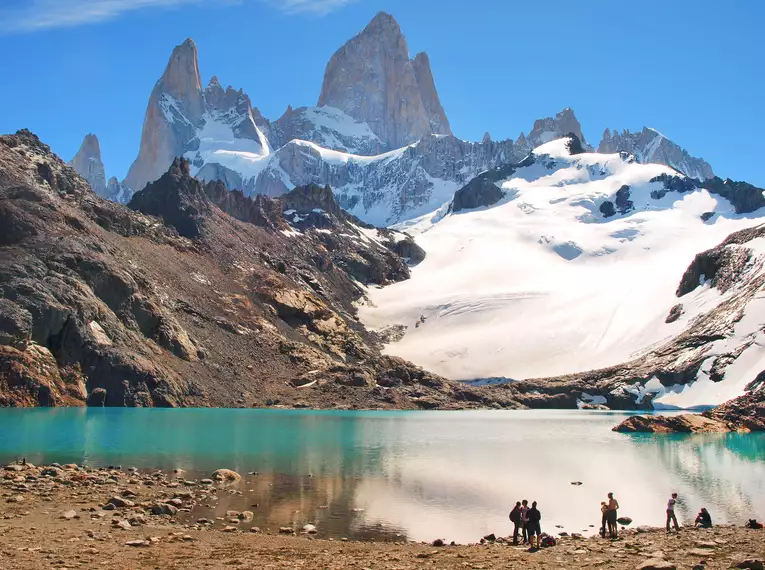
{"x":527,"y":520}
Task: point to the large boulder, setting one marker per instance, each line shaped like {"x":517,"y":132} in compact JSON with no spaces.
{"x":686,"y":423}
{"x":226,"y":475}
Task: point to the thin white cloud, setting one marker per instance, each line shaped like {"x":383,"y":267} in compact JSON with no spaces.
{"x":39,"y":15}
{"x":320,"y":7}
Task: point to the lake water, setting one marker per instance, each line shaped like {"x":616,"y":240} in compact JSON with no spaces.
{"x":410,"y":475}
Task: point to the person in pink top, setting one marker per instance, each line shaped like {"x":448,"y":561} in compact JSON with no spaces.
{"x":671,"y":512}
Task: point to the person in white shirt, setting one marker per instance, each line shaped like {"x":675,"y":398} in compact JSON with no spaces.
{"x":671,"y":512}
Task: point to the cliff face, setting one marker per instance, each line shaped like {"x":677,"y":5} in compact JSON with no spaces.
{"x":372,"y":79}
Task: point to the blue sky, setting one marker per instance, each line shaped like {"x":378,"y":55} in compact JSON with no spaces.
{"x":692,"y":69}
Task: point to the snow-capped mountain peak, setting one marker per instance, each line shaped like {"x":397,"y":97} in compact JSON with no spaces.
{"x":588,"y":247}
{"x":649,"y":145}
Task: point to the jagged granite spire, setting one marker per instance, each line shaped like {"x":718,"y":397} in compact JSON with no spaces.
{"x":372,"y":79}
{"x":436,"y":115}
{"x":179,"y":110}
{"x":175,"y":110}
{"x":87,"y":163}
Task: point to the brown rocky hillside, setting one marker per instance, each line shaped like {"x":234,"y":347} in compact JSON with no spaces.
{"x":194,"y":296}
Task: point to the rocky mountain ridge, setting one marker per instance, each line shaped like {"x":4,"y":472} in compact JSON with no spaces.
{"x":379,"y":135}
{"x":201,"y":296}
{"x":194,"y":296}
{"x":649,"y":145}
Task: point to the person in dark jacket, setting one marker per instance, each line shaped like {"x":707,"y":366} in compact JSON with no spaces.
{"x":515,"y":518}
{"x":704,"y":519}
{"x":534,"y":525}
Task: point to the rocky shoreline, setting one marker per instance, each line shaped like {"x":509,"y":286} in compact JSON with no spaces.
{"x":743,"y":414}
{"x":71,"y":517}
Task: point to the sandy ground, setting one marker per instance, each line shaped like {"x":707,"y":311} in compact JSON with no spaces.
{"x":57,"y":520}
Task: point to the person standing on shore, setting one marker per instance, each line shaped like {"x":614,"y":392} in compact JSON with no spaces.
{"x":525,"y":521}
{"x":671,"y":512}
{"x":603,"y":520}
{"x":612,"y":508}
{"x":515,"y":518}
{"x":534,"y":525}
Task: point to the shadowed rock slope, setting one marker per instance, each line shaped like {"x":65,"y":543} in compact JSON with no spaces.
{"x":193,"y":296}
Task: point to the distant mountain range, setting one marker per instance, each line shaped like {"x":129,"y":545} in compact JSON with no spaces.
{"x":378,"y":135}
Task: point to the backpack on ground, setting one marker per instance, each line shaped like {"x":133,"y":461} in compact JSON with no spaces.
{"x":753,"y":524}
{"x":548,"y":541}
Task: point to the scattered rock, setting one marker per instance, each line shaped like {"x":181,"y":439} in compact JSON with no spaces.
{"x":120,"y":503}
{"x":624,"y":521}
{"x":163,"y":509}
{"x":751,"y":564}
{"x":138,"y":543}
{"x":226,"y":475}
{"x":286,"y":530}
{"x":439,"y":542}
{"x":656,"y":564}
{"x":310,"y":529}
{"x":69,"y":515}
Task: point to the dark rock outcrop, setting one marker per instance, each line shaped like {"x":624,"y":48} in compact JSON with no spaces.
{"x":623,"y":202}
{"x":607,"y":209}
{"x":477,"y":193}
{"x":177,"y":198}
{"x":744,"y":197}
{"x":674,"y":313}
{"x":482,"y":190}
{"x":574,"y":144}
{"x":721,"y":266}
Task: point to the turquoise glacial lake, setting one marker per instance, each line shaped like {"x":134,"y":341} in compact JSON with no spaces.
{"x":410,"y":475}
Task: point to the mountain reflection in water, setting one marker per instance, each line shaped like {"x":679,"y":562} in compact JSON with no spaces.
{"x":410,"y":475}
